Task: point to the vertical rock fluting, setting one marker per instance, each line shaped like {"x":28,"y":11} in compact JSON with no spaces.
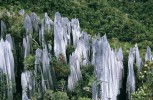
{"x":21,"y":12}
{"x":138,"y":58}
{"x":34,"y":20}
{"x":80,"y":57}
{"x":108,"y":63}
{"x":42,"y":72}
{"x":94,"y":91}
{"x":108,"y":70}
{"x":47,"y":26}
{"x":148,"y":56}
{"x":76,"y":31}
{"x":7,"y":66}
{"x":75,"y":72}
{"x":26,"y":76}
{"x":134,"y":58}
{"x":38,"y":73}
{"x":61,"y":35}
{"x":130,"y":84}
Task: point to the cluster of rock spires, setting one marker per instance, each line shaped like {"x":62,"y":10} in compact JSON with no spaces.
{"x":42,"y":58}
{"x":108,"y":63}
{"x":7,"y":64}
{"x":108,"y":66}
{"x":79,"y":58}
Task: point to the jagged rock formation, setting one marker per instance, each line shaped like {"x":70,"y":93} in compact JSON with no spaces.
{"x":148,"y":56}
{"x":108,"y":63}
{"x":21,"y":12}
{"x":134,"y":58}
{"x":61,"y":35}
{"x":42,"y":58}
{"x":130,"y":85}
{"x":108,"y":70}
{"x":138,"y":58}
{"x":80,"y":57}
{"x":26,"y":76}
{"x":7,"y":66}
{"x":76,"y":31}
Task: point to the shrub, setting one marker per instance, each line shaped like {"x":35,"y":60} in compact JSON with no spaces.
{"x":145,"y":78}
{"x":61,"y":68}
{"x":29,"y":62}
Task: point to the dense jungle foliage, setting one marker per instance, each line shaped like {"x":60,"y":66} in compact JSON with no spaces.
{"x":125,"y":22}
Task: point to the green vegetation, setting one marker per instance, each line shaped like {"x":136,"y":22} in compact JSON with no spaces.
{"x":125,"y":23}
{"x":50,"y":95}
{"x":83,"y":87}
{"x":61,"y":68}
{"x":144,"y":83}
{"x":29,"y":62}
{"x":3,"y":86}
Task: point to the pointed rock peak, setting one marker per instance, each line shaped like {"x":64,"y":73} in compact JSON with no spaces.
{"x":27,"y":17}
{"x":148,"y":54}
{"x":137,"y":50}
{"x":34,"y":14}
{"x":28,"y":24}
{"x":120,"y":49}
{"x":9,"y":39}
{"x":148,"y":49}
{"x":97,"y":37}
{"x":46,"y":15}
{"x":38,"y":50}
{"x":35,"y":21}
{"x":21,"y":12}
{"x":34,"y":17}
{"x":104,"y":38}
{"x":131,"y":52}
{"x":120,"y":54}
{"x":65,"y":20}
{"x":136,"y":45}
{"x":75,"y":21}
{"x":2,"y":40}
{"x":57,"y":17}
{"x":57,"y":14}
{"x":47,"y":19}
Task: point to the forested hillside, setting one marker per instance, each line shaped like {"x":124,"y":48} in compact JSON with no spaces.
{"x":124,"y":22}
